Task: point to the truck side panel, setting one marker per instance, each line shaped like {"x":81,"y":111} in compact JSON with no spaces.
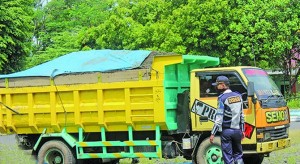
{"x":113,"y":106}
{"x":141,"y":102}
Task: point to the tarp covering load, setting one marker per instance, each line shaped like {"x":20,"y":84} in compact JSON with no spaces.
{"x":86,"y":61}
{"x":102,"y":66}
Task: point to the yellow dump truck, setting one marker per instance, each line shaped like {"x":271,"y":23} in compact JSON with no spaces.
{"x":105,"y":105}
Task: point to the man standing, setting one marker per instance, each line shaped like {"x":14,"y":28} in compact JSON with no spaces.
{"x":230,"y":121}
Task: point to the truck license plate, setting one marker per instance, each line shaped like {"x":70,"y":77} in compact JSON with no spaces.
{"x":281,"y":143}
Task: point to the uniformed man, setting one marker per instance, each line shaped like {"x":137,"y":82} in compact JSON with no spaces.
{"x":229,"y":120}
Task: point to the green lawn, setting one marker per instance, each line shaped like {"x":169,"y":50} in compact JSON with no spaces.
{"x":290,"y":155}
{"x":12,"y":154}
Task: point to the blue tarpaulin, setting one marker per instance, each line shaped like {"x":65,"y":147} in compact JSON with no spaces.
{"x":86,"y":61}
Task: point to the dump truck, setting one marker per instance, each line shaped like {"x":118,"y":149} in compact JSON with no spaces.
{"x":104,"y":105}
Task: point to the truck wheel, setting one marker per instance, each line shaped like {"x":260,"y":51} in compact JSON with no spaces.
{"x":210,"y":153}
{"x":55,"y":152}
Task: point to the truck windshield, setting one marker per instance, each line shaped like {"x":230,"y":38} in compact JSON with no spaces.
{"x":264,"y":86}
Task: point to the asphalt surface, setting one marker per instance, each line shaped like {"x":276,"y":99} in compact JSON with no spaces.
{"x":295,"y":125}
{"x":8,"y":139}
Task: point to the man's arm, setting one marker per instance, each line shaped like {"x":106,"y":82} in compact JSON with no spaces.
{"x":218,"y":119}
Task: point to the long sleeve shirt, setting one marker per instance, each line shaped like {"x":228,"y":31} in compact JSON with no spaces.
{"x":229,"y":112}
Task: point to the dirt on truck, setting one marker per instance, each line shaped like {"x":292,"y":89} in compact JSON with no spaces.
{"x":104,"y":105}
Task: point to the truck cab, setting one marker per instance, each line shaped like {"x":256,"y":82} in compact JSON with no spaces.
{"x":266,"y":113}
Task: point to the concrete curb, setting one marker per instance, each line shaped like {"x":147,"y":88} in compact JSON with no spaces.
{"x":295,"y":115}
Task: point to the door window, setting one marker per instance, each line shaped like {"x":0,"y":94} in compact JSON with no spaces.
{"x":208,"y":90}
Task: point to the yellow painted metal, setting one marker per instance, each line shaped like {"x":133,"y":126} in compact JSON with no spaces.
{"x":113,"y":105}
{"x":196,"y":125}
{"x":273,"y":145}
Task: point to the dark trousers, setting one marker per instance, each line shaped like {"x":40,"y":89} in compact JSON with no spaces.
{"x":231,"y":146}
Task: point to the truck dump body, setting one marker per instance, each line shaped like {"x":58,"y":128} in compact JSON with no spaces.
{"x":141,"y":94}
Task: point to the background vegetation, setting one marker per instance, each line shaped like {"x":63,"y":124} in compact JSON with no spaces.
{"x":16,"y":32}
{"x":294,"y":102}
{"x":252,"y":32}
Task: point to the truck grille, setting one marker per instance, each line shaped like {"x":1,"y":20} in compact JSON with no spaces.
{"x":278,"y":133}
{"x":275,"y":133}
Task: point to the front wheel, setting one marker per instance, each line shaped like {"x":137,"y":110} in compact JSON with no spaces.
{"x":55,"y":152}
{"x":210,"y":153}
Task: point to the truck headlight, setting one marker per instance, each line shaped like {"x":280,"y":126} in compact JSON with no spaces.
{"x":267,"y":136}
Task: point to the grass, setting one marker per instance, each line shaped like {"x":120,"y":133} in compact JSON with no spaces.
{"x":12,"y":154}
{"x":291,"y":155}
{"x":294,"y":102}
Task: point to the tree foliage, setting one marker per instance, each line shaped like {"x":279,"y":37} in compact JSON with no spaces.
{"x":58,"y":25}
{"x":251,"y":32}
{"x":15,"y":33}
{"x":241,"y":32}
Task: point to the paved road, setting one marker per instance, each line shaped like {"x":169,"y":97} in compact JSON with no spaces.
{"x":295,"y":125}
{"x":8,"y":139}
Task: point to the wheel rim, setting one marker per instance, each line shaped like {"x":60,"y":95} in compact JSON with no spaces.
{"x":54,"y":156}
{"x":214,"y":155}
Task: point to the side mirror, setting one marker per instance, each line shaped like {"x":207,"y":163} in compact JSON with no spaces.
{"x":250,"y":89}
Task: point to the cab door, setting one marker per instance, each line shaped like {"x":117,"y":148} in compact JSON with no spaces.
{"x":204,"y":99}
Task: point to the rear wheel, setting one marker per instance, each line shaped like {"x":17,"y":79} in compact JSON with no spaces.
{"x":210,"y":153}
{"x":55,"y":152}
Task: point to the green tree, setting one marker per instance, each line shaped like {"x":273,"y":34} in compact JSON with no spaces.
{"x":132,"y":24}
{"x":15,"y":33}
{"x":58,"y":25}
{"x":239,"y":32}
{"x":252,"y":32}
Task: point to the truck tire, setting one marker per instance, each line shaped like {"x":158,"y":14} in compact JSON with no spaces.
{"x":208,"y":153}
{"x":55,"y":152}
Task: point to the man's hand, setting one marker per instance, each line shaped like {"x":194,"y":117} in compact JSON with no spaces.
{"x":243,"y":135}
{"x":211,"y":138}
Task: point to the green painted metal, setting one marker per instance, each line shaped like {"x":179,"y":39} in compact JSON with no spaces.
{"x":130,"y":143}
{"x":118,"y":143}
{"x":130,"y":137}
{"x":80,"y":144}
{"x":54,"y":156}
{"x":214,"y":155}
{"x":70,"y":140}
{"x":118,"y":155}
{"x":39,"y":140}
{"x":177,"y":80}
{"x":103,"y":136}
{"x":80,"y":139}
{"x":157,"y":139}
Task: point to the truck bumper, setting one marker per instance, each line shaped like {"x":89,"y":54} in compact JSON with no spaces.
{"x":264,"y":147}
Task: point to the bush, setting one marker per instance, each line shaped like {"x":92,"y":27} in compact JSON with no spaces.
{"x":293,"y":102}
